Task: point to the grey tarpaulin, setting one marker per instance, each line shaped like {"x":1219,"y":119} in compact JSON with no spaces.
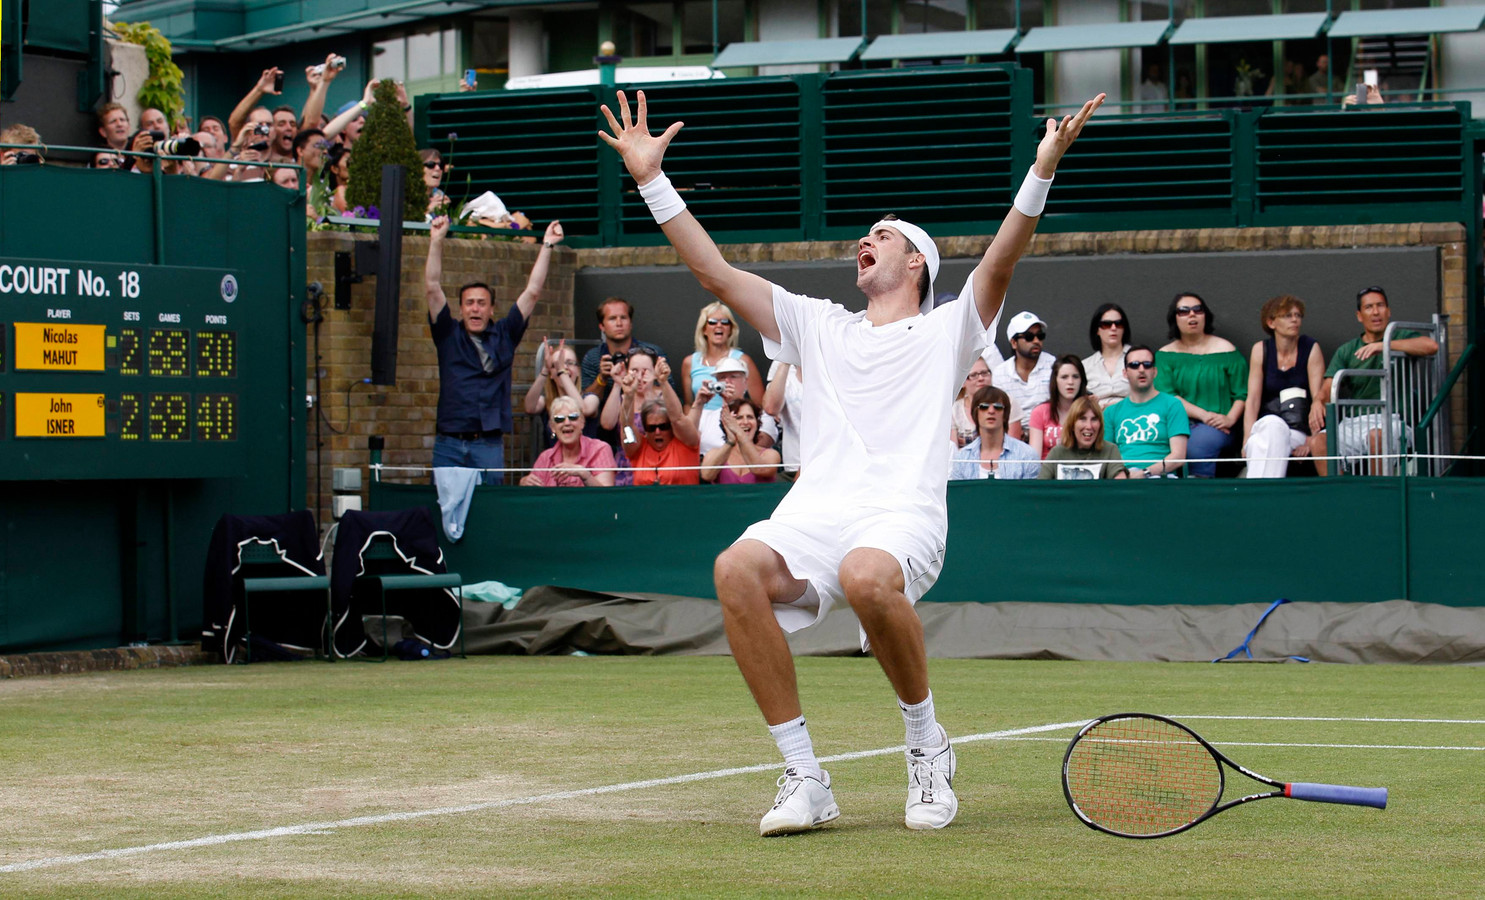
{"x":555,"y":620}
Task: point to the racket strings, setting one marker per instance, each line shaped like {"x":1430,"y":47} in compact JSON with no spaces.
{"x":1141,"y":776}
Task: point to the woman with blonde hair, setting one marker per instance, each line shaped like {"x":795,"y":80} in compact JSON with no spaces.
{"x":1081,"y":453}
{"x":716,"y":339}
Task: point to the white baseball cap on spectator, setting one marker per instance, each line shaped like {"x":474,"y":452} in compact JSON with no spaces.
{"x":731,"y":366}
{"x":1020,"y":323}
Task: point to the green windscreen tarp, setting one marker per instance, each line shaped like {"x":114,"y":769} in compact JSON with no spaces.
{"x":1120,"y":543}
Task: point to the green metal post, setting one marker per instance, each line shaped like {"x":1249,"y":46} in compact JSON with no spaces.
{"x":812,"y":154}
{"x":716,"y":40}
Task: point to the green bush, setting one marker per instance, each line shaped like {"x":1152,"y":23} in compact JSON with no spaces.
{"x":386,"y":139}
{"x":164,"y":89}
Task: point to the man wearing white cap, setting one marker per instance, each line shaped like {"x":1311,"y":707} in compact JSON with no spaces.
{"x":1027,"y":376}
{"x":867,"y":519}
{"x":732,"y":380}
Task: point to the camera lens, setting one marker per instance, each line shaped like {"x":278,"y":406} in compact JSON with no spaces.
{"x":158,"y":136}
{"x":180,"y":146}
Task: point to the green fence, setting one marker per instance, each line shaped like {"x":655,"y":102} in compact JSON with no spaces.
{"x":818,"y":156}
{"x":1351,"y":539}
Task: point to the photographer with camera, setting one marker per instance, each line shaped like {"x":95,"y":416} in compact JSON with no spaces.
{"x":730,"y":385}
{"x":319,"y":77}
{"x":250,"y":147}
{"x":159,"y":143}
{"x":249,"y":108}
{"x":20,"y":134}
{"x":615,"y":323}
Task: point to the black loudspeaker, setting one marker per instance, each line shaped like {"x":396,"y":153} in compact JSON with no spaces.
{"x":388,"y":277}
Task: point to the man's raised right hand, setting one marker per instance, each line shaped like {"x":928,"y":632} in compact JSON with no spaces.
{"x":640,"y":150}
{"x":438,"y":229}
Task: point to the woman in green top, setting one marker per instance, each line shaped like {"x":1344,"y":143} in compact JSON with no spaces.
{"x":1208,"y":375}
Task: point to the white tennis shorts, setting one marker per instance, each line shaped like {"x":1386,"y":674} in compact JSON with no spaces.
{"x":814,"y":546}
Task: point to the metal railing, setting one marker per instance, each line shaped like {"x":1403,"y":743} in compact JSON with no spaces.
{"x":1404,"y":428}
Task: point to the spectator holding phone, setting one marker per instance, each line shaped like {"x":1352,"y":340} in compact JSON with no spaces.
{"x":250,"y":108}
{"x":739,"y":459}
{"x":575,"y":460}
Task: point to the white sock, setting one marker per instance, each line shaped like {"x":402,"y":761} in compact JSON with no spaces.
{"x":793,"y":738}
{"x":922,"y":726}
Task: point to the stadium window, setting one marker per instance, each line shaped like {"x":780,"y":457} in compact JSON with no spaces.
{"x":930,"y":16}
{"x":416,"y":56}
{"x":696,"y":24}
{"x":652,"y":29}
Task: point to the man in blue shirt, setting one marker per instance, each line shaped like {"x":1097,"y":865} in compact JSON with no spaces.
{"x":474,"y":358}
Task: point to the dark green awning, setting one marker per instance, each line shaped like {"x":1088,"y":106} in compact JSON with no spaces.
{"x":1104,"y":36}
{"x":940,"y":44}
{"x":1432,"y":20}
{"x":784,"y":53}
{"x":1233,"y":29}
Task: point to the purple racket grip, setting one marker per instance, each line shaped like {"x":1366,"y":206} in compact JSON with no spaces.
{"x":1337,"y":793}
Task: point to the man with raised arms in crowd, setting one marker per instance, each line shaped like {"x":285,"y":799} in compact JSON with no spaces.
{"x":475,"y":352}
{"x":867,"y":520}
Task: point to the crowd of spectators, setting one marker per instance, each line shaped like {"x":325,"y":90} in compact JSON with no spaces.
{"x":1125,"y":411}
{"x":253,"y":144}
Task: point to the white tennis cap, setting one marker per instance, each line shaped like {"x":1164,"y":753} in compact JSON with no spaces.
{"x":1020,"y":322}
{"x":925,"y":246}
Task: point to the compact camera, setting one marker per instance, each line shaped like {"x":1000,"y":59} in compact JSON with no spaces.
{"x":714,"y":386}
{"x":336,"y":62}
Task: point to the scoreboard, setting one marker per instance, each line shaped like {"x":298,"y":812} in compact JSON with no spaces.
{"x":120,"y":371}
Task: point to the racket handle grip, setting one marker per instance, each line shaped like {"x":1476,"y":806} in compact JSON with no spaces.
{"x":1337,"y":793}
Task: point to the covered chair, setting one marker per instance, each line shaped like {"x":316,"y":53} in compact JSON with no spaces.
{"x":378,"y":556}
{"x":284,"y":616}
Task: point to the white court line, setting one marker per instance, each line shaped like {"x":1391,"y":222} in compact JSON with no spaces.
{"x":216,"y":840}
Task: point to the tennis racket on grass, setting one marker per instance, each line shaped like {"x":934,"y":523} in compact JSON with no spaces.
{"x":1142,"y":776}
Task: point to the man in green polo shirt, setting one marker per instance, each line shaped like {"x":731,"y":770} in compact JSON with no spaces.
{"x":1362,"y":435}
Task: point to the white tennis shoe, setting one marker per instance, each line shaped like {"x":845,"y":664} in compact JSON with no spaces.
{"x":803,"y":802}
{"x":931,"y":802}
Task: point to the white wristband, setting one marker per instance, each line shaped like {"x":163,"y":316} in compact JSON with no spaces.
{"x":1032,"y":198}
{"x":664,"y":202}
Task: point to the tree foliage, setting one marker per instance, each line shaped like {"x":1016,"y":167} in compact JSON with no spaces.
{"x":386,"y":139}
{"x":164,"y":89}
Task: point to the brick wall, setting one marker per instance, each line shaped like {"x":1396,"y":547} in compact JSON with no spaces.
{"x":404,"y":414}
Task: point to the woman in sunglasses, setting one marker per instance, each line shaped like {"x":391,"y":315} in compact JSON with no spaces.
{"x":716,"y":340}
{"x":1111,"y":337}
{"x":1285,"y":374}
{"x":993,"y":453}
{"x":1081,"y":453}
{"x":740,"y":460}
{"x":576,"y":460}
{"x":1210,"y":378}
{"x":433,"y":173}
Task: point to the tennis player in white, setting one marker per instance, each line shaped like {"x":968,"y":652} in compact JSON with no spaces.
{"x":867,"y":519}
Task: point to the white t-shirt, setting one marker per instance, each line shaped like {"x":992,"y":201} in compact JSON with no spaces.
{"x":789,"y":414}
{"x":1028,"y":394}
{"x":876,"y":403}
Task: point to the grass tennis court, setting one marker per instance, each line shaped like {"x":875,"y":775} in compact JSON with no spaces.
{"x":127,"y":760}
